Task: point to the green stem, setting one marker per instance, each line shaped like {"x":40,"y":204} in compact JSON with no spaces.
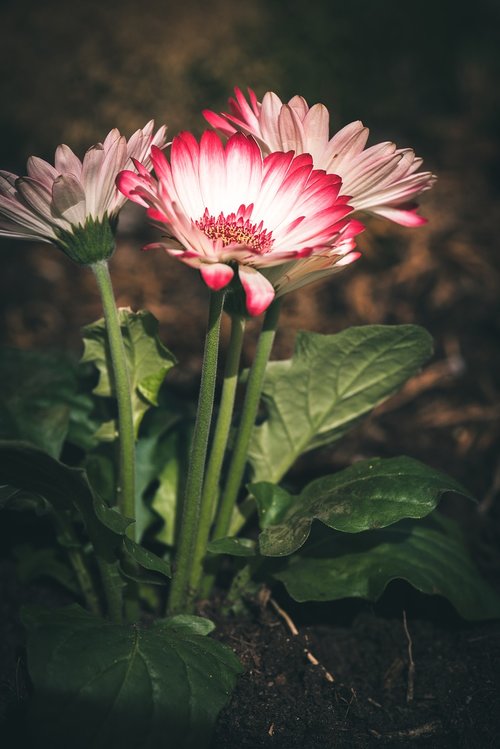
{"x":77,"y":560}
{"x":126,"y":484}
{"x":219,"y":444}
{"x":113,"y":589}
{"x":250,"y":408}
{"x":180,"y":596}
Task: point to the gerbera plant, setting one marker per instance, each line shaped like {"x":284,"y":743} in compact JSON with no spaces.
{"x":261,"y":206}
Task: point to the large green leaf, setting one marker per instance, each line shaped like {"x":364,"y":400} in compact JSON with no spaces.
{"x":330,"y":382}
{"x":105,"y":685}
{"x":369,"y":494}
{"x":147,"y":358}
{"x":37,"y":393}
{"x":30,"y":470}
{"x":425,"y":554}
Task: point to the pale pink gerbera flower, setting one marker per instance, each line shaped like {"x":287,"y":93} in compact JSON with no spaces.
{"x":226,"y":208}
{"x":74,"y":204}
{"x":380,"y":179}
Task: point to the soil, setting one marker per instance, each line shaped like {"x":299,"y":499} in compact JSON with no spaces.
{"x":448,"y":698}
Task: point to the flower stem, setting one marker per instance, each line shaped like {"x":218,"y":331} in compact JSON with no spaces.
{"x":180,"y":596}
{"x":77,"y":560}
{"x":126,"y":483}
{"x":250,"y":407}
{"x":113,"y":589}
{"x":219,"y":444}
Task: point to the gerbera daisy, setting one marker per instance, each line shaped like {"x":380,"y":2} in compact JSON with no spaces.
{"x":381,"y":179}
{"x":226,"y":208}
{"x":74,"y":204}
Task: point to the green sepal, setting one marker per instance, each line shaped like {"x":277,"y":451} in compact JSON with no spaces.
{"x":89,"y":243}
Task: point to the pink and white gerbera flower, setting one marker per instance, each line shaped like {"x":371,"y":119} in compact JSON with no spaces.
{"x":227,"y":208}
{"x":65,"y":203}
{"x":381,"y":179}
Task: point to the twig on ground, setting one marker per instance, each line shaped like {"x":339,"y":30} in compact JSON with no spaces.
{"x":426,"y":729}
{"x":294,"y":631}
{"x":410,"y":689}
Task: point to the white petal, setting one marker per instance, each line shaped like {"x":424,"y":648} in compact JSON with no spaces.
{"x":92,"y":163}
{"x":68,"y":197}
{"x":66,"y":162}
{"x":41,"y":171}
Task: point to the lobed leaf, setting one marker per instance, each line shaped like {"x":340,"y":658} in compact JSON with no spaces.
{"x":148,"y":360}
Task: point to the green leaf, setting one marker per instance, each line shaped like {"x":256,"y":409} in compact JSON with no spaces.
{"x":330,"y":382}
{"x":236,"y":547}
{"x":273,"y":502}
{"x":84,"y":423}
{"x":37,"y":393}
{"x":165,"y":500}
{"x":30,"y":470}
{"x":173,"y":460}
{"x":19,"y":501}
{"x":148,"y":360}
{"x":148,"y":560}
{"x":158,"y":469}
{"x":186,"y":623}
{"x":33,"y":563}
{"x":104,"y":685}
{"x":369,"y":494}
{"x":423,"y":553}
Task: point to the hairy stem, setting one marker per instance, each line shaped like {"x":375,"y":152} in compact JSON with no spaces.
{"x":180,"y":596}
{"x":126,"y":483}
{"x":219,"y":445}
{"x":250,"y":408}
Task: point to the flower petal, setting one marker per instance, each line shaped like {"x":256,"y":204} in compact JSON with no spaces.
{"x":66,"y":162}
{"x":68,"y":199}
{"x":41,"y":171}
{"x":216,"y":275}
{"x":259,"y":291}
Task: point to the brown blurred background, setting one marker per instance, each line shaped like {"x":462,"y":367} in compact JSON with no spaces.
{"x":425,"y":75}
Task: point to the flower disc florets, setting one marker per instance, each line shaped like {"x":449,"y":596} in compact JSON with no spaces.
{"x":235,"y":229}
{"x":227,"y":208}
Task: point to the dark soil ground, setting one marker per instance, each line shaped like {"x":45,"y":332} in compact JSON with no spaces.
{"x":406,"y":671}
{"x":418,"y":679}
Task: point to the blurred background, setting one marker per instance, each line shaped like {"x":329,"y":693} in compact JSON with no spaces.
{"x":422,"y":74}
